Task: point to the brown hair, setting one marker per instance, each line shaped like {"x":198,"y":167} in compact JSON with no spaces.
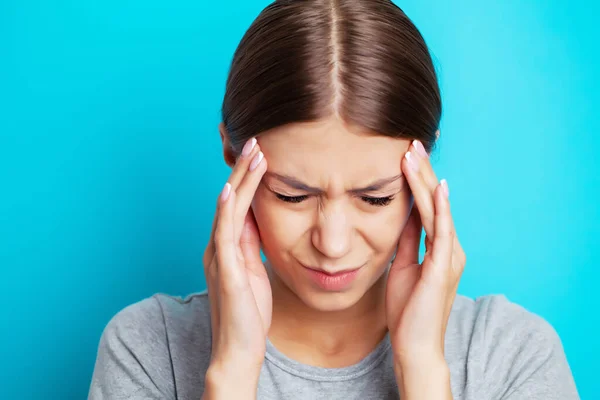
{"x":304,"y":60}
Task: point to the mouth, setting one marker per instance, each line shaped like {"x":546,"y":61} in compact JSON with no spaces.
{"x":334,"y":281}
{"x":332,"y":273}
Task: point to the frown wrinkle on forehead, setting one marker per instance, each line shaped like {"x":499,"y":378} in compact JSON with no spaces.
{"x":294,"y":183}
{"x":328,"y":155}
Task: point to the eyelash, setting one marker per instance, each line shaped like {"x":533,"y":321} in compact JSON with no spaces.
{"x":291,"y":199}
{"x":378,"y":201}
{"x":374,"y":201}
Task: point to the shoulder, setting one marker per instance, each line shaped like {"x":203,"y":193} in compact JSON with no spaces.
{"x":496,"y":317}
{"x":494,"y":322}
{"x":187,"y":320}
{"x":178,"y":324}
{"x":135,"y":323}
{"x":161,"y":314}
{"x":149,"y":345}
{"x":509,"y":348}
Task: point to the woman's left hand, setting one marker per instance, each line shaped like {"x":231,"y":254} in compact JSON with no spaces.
{"x":419,"y":296}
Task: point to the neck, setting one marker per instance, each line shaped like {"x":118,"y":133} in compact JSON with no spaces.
{"x":331,"y":339}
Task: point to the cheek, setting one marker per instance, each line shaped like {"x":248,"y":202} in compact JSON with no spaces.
{"x":384,"y":229}
{"x":279,"y":228}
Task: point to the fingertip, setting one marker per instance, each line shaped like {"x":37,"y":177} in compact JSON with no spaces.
{"x":226,"y":201}
{"x":444,"y":224}
{"x":445,"y":187}
{"x":262,"y":167}
{"x":226,"y":192}
{"x":441,"y":199}
{"x":224,"y":230}
{"x":411,"y":162}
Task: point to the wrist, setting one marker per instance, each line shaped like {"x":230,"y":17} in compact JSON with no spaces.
{"x":231,"y":381}
{"x":423,"y":380}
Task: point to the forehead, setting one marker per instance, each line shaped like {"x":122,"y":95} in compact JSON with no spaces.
{"x":329,"y":148}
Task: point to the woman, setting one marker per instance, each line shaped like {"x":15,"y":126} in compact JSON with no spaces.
{"x":330,"y":113}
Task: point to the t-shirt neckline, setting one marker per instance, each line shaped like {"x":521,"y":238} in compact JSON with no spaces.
{"x":310,"y":372}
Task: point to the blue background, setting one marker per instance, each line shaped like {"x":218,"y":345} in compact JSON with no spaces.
{"x":110,"y":161}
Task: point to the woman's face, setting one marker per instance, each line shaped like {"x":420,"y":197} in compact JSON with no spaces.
{"x":333,"y":199}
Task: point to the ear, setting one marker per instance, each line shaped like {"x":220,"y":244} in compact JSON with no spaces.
{"x":228,"y":153}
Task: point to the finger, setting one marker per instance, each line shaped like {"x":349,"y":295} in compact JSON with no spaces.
{"x":239,"y":171}
{"x":250,"y":244}
{"x":230,"y":275}
{"x":425,"y":167}
{"x":212,"y":284}
{"x":209,"y":252}
{"x":428,"y":244}
{"x":421,"y":192}
{"x":247,"y":189}
{"x":443,"y":241}
{"x":458,"y":264}
{"x":242,"y":163}
{"x":210,"y":274}
{"x":460,"y":256}
{"x":213,"y":298}
{"x":410,"y":240}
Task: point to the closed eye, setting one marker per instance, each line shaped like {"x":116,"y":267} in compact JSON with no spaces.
{"x":291,"y":199}
{"x":374,"y":201}
{"x":377,"y":201}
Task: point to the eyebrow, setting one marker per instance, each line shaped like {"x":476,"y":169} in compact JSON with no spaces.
{"x":298,"y":185}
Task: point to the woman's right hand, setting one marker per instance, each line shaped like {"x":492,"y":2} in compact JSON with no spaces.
{"x":238,"y":285}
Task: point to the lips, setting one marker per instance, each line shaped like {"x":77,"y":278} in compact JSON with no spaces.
{"x":332,"y":273}
{"x":335,"y":281}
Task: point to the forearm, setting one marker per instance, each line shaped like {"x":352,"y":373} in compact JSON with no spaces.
{"x":424,"y":381}
{"x":225,"y":384}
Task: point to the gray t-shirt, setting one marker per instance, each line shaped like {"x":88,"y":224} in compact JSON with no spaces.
{"x":159,"y":348}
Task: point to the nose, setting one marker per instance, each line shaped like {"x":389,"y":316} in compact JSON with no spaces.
{"x":332,"y":234}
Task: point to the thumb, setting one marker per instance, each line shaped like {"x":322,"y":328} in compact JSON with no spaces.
{"x":250,"y":242}
{"x":410,"y":240}
{"x":400,"y":286}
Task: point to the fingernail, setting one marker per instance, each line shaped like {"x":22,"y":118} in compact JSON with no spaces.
{"x":412,"y":162}
{"x":420,"y":148}
{"x":248,"y":147}
{"x":445,"y":187}
{"x":225,"y":192}
{"x":256,"y":160}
